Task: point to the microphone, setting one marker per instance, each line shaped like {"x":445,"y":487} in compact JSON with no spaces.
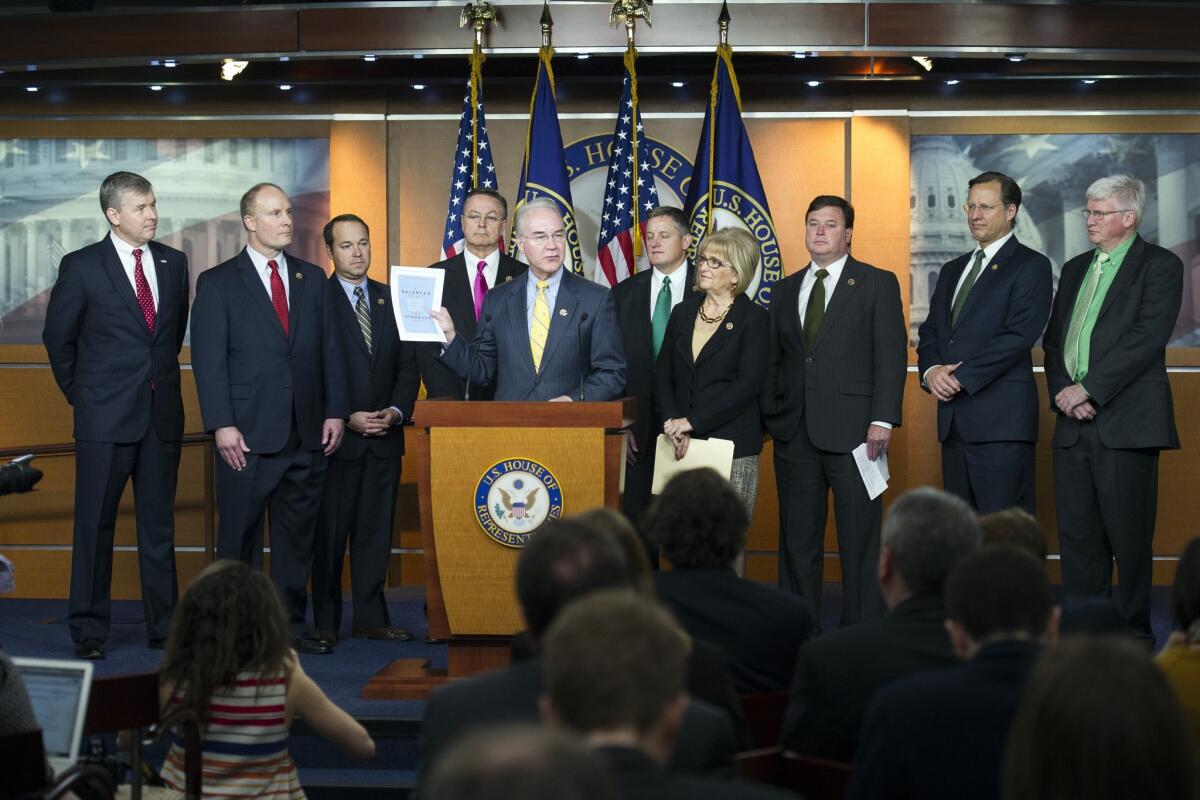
{"x":474,"y":344}
{"x":582,"y":363}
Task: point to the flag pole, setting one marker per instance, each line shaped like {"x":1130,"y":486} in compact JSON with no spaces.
{"x":478,"y":15}
{"x":628,"y":11}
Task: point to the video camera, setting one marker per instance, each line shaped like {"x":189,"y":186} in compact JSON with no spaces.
{"x":19,"y":475}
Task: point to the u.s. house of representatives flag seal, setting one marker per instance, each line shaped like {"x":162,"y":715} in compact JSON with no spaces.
{"x":514,"y":498}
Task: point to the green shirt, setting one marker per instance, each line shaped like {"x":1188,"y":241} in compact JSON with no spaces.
{"x":1107,"y":275}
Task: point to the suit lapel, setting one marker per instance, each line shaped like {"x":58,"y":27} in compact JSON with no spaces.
{"x":1130,"y":267}
{"x":258,"y":292}
{"x":518,"y":320}
{"x":953,"y":275}
{"x":295,"y":293}
{"x":848,"y":283}
{"x":120,"y":282}
{"x":724,"y":331}
{"x":642,"y":317}
{"x":560,"y":322}
{"x":987,"y":276}
{"x":349,"y":317}
{"x":377,"y":307}
{"x":166,"y":288}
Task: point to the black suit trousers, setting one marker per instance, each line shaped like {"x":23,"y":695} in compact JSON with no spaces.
{"x":101,"y":471}
{"x":288,"y":485}
{"x":804,"y":475}
{"x":991,"y":476}
{"x":359,"y":507}
{"x":1107,"y":500}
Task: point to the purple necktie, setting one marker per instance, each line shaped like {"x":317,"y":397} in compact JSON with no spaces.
{"x":480,"y":288}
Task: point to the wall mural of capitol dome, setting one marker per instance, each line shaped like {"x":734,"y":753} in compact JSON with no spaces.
{"x":49,"y":205}
{"x":1054,"y":171}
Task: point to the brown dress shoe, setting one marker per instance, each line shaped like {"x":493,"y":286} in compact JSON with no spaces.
{"x":326,"y":636}
{"x":390,"y":632}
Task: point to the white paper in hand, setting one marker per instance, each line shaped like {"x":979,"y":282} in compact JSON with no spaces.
{"x":875,"y":473}
{"x":715,"y":453}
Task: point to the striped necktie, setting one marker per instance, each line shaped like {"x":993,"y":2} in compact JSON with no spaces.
{"x":540,"y":328}
{"x":364,"y":315}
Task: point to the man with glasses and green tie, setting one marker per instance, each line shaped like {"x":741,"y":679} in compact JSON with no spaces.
{"x":547,"y":334}
{"x":470,"y":275}
{"x":987,"y":311}
{"x":1105,"y":370}
{"x":644,"y":303}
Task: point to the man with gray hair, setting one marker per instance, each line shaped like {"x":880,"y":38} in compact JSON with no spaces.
{"x":926,"y":533}
{"x":547,"y":334}
{"x":114,"y":327}
{"x":1106,"y":375}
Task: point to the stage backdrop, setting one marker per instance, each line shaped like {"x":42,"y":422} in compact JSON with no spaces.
{"x":49,"y":205}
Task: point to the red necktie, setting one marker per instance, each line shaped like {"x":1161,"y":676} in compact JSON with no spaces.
{"x":279,"y":296}
{"x":145,"y":297}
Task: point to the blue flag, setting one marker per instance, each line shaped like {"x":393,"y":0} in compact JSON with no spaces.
{"x":544,"y":171}
{"x":473,"y":166}
{"x":725,"y":188}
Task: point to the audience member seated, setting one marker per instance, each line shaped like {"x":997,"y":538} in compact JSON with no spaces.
{"x":941,"y":734}
{"x":16,"y":712}
{"x":565,"y":561}
{"x":229,"y":660}
{"x":1017,"y":527}
{"x":1097,"y":720}
{"x":521,"y":761}
{"x":614,"y":667}
{"x":700,"y":523}
{"x":925,"y":534}
{"x":1180,"y":658}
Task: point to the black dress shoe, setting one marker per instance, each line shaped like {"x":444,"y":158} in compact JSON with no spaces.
{"x":312,"y":646}
{"x":390,"y":632}
{"x":326,"y":636}
{"x":89,"y":649}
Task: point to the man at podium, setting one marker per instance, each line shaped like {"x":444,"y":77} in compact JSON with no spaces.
{"x":547,"y":334}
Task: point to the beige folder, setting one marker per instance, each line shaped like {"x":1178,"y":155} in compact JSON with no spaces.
{"x":715,"y":453}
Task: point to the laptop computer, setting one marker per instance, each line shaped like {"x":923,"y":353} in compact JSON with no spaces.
{"x":58,"y":691}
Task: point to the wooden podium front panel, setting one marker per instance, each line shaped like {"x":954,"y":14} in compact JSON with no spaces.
{"x":477,"y":571}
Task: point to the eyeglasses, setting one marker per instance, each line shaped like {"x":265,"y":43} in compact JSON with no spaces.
{"x":713,"y":263}
{"x":971,"y":208}
{"x":542,"y":239}
{"x":489,"y":220}
{"x":1087,"y":213}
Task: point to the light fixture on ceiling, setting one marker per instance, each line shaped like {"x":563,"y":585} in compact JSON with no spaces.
{"x":952,"y":82}
{"x":285,"y":58}
{"x":418,"y":56}
{"x":1016,"y":58}
{"x":231,"y":68}
{"x":169,"y":63}
{"x":678,"y":84}
{"x":368,"y":57}
{"x":154,"y":62}
{"x":814,"y":84}
{"x":1089,"y":81}
{"x":285,"y":87}
{"x":925,"y":61}
{"x":31,"y":88}
{"x":156,"y":88}
{"x":420,"y":87}
{"x":583,"y":56}
{"x":799,"y":54}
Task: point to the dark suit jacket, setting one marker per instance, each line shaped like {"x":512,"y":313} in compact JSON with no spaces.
{"x":458,"y":297}
{"x":640,"y":778}
{"x":579,"y":349}
{"x":759,"y":628}
{"x":706,"y":741}
{"x":941,"y":734}
{"x":1000,"y":322}
{"x":248,"y":373}
{"x":856,"y":370}
{"x":1127,"y":376}
{"x":103,"y":356}
{"x":384,"y":377}
{"x":719,"y":391}
{"x":838,"y":674}
{"x":632,"y":298}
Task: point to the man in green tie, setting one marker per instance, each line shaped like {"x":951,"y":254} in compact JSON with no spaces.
{"x":1105,"y":370}
{"x":644,"y":302}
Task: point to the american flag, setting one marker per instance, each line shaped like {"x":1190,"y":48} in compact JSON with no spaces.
{"x":473,"y":167}
{"x":629,"y":191}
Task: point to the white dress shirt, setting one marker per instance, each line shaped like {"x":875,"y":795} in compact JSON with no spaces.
{"x":678,"y":279}
{"x":149,"y":268}
{"x":264,"y":272}
{"x":489,"y":272}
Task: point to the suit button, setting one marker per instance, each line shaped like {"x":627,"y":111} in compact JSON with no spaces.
{"x":951,"y":341}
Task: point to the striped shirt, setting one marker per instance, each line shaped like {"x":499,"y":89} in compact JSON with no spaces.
{"x":245,"y":743}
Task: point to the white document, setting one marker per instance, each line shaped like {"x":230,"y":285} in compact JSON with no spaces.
{"x":715,"y":453}
{"x":415,"y":290}
{"x":875,"y":473}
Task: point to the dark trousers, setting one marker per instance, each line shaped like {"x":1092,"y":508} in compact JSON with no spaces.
{"x":1107,"y":501}
{"x":639,"y":479}
{"x":991,"y":476}
{"x":804,"y":475}
{"x":101,"y":471}
{"x":358,"y":506}
{"x":288,"y":484}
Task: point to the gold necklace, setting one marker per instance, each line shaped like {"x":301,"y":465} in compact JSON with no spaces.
{"x":715,"y":319}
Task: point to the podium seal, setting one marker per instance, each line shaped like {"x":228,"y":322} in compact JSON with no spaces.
{"x":514,"y":498}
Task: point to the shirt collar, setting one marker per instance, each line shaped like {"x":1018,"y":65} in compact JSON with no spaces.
{"x":350,"y":287}
{"x":260,"y":261}
{"x":551,"y":282}
{"x":1119,"y":252}
{"x":834,"y":269}
{"x":124,"y":248}
{"x":990,"y":251}
{"x":492,"y":259}
{"x":659,"y":274}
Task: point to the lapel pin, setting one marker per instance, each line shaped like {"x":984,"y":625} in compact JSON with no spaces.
{"x":562,"y":312}
{"x":995,"y":266}
{"x":299,"y":277}
{"x":507,"y":278}
{"x":728,"y":326}
{"x":379,"y":302}
{"x":850,"y":281}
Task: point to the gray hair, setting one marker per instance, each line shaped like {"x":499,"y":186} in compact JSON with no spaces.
{"x":928,"y":532}
{"x":1128,"y":191}
{"x":531,"y":205}
{"x":116,"y":185}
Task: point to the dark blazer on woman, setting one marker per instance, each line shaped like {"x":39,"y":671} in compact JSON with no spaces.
{"x":719,"y":391}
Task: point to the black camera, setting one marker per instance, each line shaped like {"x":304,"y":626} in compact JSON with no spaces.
{"x":19,"y":475}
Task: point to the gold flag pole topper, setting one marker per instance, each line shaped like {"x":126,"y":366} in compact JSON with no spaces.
{"x":628,"y":11}
{"x":478,"y":15}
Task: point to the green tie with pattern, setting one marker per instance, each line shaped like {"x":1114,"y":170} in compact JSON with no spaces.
{"x":961,"y":299}
{"x":1083,"y":302}
{"x":815,"y":312}
{"x":662,"y":313}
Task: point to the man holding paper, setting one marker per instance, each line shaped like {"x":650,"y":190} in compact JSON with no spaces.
{"x":547,"y":334}
{"x":835,"y":383}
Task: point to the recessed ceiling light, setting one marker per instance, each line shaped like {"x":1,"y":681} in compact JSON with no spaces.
{"x":799,"y":54}
{"x":156,"y":88}
{"x":285,"y":87}
{"x":583,"y":56}
{"x":285,"y":58}
{"x":1015,"y":57}
{"x":1089,"y":81}
{"x":169,"y":62}
{"x":154,"y":62}
{"x":678,"y":84}
{"x":31,"y":88}
{"x":814,"y":84}
{"x":419,"y":86}
{"x":368,"y":56}
{"x":418,"y":56}
{"x":952,"y":82}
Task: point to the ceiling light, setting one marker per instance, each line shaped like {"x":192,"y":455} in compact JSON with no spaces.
{"x":31,"y":88}
{"x":156,"y":88}
{"x":154,"y":62}
{"x":418,"y":86}
{"x":285,"y":87}
{"x":231,"y":68}
{"x":285,"y":58}
{"x":418,"y":56}
{"x":169,"y":62}
{"x":799,"y":54}
{"x":368,"y":56}
{"x":952,"y":82}
{"x":925,"y":61}
{"x":583,"y":56}
{"x":1016,"y":57}
{"x":814,"y":84}
{"x":677,"y":84}
{"x":1089,"y":81}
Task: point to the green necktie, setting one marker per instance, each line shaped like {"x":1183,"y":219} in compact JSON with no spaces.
{"x":662,"y":313}
{"x":961,"y":299}
{"x":815,"y":312}
{"x":1087,"y":293}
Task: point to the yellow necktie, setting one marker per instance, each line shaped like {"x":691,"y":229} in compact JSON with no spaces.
{"x":541,"y":325}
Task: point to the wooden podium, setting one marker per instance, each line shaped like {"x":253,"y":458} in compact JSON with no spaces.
{"x":495,"y":472}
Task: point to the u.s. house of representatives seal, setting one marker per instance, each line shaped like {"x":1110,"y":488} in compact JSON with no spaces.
{"x":514,"y":497}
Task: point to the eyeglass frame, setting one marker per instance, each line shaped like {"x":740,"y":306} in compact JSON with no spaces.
{"x":713,"y":262}
{"x":542,"y":239}
{"x":1087,"y":213}
{"x":488,"y":221}
{"x":984,"y":207}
